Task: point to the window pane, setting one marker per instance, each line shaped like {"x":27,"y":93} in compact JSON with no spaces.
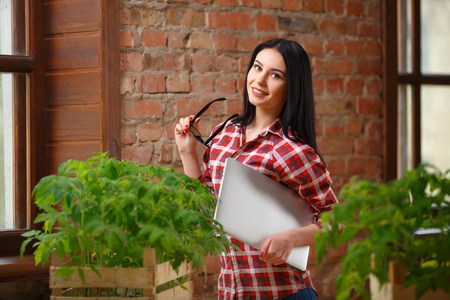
{"x":12,"y":27}
{"x":405,"y":130}
{"x":435,"y":143}
{"x":435,"y":36}
{"x":404,"y":36}
{"x":6,"y":155}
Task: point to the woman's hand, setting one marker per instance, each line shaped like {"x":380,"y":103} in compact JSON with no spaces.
{"x":185,"y":141}
{"x":277,"y":248}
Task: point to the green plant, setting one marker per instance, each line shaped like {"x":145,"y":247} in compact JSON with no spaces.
{"x":381,"y":221}
{"x":111,"y":210}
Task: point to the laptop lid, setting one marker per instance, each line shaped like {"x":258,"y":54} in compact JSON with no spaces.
{"x":252,"y":207}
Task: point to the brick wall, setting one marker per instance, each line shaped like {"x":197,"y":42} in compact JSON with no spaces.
{"x":176,"y":55}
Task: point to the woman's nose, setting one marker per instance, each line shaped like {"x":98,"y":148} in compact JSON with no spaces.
{"x":261,"y":78}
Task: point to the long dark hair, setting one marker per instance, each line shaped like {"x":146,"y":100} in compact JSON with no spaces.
{"x":298,"y":115}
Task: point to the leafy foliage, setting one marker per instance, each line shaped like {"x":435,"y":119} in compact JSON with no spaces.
{"x":111,"y":210}
{"x":382,"y":220}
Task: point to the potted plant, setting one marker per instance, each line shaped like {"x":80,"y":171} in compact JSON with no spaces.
{"x":110,"y":211}
{"x":381,"y":223}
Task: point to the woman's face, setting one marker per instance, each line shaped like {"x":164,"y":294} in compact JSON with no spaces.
{"x":267,"y":82}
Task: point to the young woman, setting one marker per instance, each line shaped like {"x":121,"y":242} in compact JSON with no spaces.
{"x":275,"y":135}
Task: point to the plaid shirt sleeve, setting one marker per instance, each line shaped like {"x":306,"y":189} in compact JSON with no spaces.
{"x":298,"y":166}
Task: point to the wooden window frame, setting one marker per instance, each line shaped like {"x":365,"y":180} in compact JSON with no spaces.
{"x":392,"y":79}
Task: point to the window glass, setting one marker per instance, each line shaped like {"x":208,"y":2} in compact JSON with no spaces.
{"x":404,"y":36}
{"x":405,"y":130}
{"x":435,"y":36}
{"x":6,"y":156}
{"x":12,"y":27}
{"x":435,"y":137}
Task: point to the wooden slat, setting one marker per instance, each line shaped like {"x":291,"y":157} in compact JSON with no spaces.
{"x":73,"y":124}
{"x":110,"y":278}
{"x":177,"y":293}
{"x":165,"y":273}
{"x":73,"y":51}
{"x":59,"y":153}
{"x":71,"y":16}
{"x":16,"y":64}
{"x":72,"y":88}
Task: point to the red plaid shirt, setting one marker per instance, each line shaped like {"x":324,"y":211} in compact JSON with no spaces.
{"x":295,"y":164}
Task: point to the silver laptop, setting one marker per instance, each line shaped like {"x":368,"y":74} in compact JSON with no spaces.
{"x":252,"y":207}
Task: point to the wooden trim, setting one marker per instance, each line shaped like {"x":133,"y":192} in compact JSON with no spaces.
{"x":16,"y":64}
{"x":423,"y":79}
{"x":390,"y":80}
{"x":110,"y":78}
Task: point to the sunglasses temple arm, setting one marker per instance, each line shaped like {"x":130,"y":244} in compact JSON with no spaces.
{"x":219,"y":129}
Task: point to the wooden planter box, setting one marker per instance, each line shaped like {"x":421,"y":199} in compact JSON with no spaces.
{"x":394,"y":290}
{"x":148,"y":278}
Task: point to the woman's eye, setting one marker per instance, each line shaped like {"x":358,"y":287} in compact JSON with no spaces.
{"x":258,"y":68}
{"x":275,"y":75}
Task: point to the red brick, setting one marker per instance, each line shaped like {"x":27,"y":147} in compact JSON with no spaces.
{"x":138,"y":16}
{"x":185,"y":17}
{"x":373,"y":48}
{"x":314,"y":5}
{"x":374,"y":10}
{"x":335,"y":145}
{"x":234,"y":106}
{"x":271,"y":3}
{"x":334,"y":85}
{"x":128,"y":135}
{"x":374,"y":86}
{"x":368,"y":67}
{"x":232,"y":20}
{"x":251,"y":3}
{"x":373,"y":166}
{"x":241,"y":84}
{"x":142,"y":154}
{"x":356,"y":166}
{"x":167,"y":61}
{"x":355,"y":48}
{"x":127,"y":85}
{"x":333,"y":126}
{"x":141,"y":109}
{"x":126,"y":38}
{"x":147,"y":132}
{"x":366,"y":106}
{"x":265,"y":23}
{"x":202,"y":84}
{"x":153,"y":83}
{"x":355,"y":8}
{"x":339,"y":106}
{"x":313,"y":45}
{"x":226,"y":64}
{"x":176,"y":39}
{"x":374,"y":129}
{"x":212,"y":265}
{"x":293,"y":5}
{"x":166,"y":156}
{"x":336,"y":166}
{"x":131,"y":62}
{"x":168,"y":130}
{"x":226,"y":2}
{"x":247,"y":43}
{"x":369,"y":146}
{"x":333,"y":66}
{"x":353,"y":126}
{"x":224,"y":42}
{"x":189,"y":106}
{"x":154,"y":38}
{"x":339,"y":26}
{"x":354,"y":86}
{"x":178,"y":82}
{"x":225,"y":85}
{"x":318,"y":85}
{"x":334,"y":46}
{"x":243,"y":63}
{"x":202,"y":62}
{"x":334,"y":6}
{"x":200,"y":40}
{"x":370,"y":30}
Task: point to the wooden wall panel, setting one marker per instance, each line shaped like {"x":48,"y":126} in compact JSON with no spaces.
{"x":73,"y":51}
{"x":59,"y":153}
{"x":71,"y":16}
{"x":77,"y":123}
{"x":70,"y":88}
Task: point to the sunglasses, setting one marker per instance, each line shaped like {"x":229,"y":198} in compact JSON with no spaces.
{"x":196,"y":133}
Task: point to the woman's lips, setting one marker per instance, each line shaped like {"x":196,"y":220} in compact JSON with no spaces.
{"x":258,"y":92}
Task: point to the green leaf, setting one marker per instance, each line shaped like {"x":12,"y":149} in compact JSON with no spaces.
{"x":65,"y":271}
